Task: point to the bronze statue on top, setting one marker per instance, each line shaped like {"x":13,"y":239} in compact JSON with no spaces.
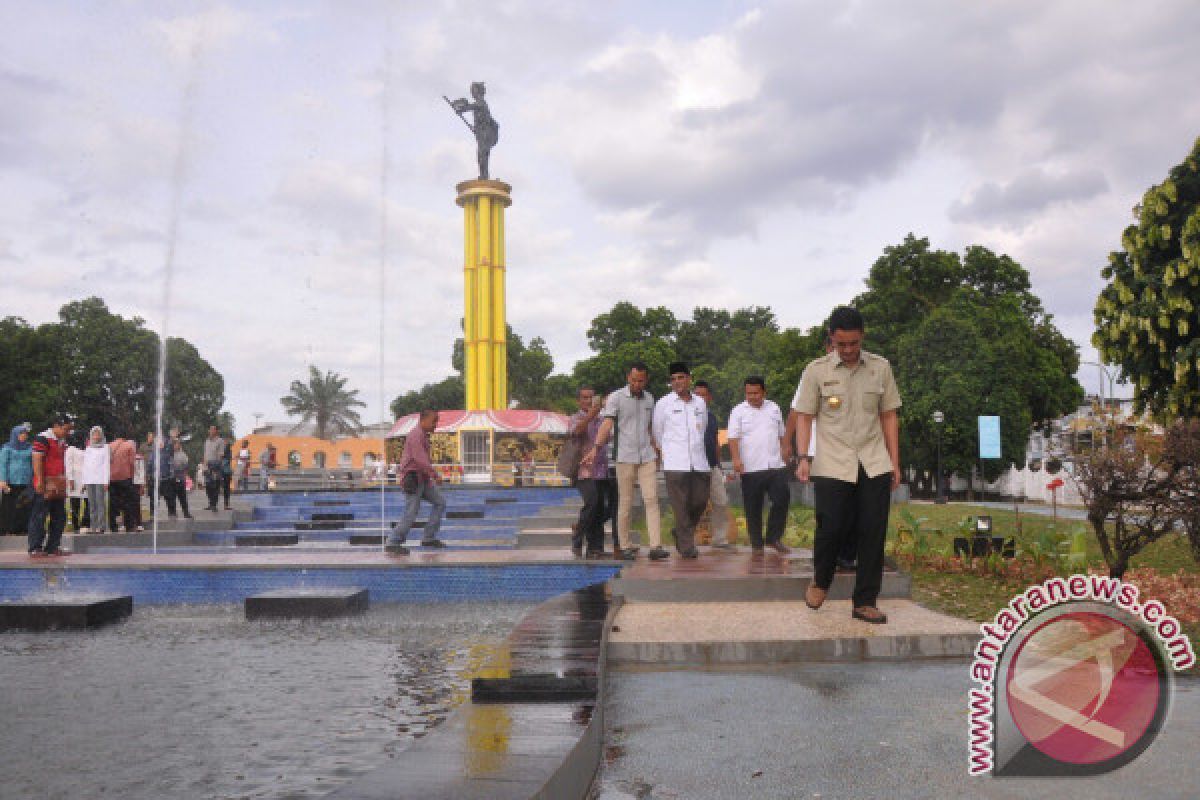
{"x":486,"y":129}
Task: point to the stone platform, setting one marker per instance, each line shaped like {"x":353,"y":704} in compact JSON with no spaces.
{"x":64,"y":612}
{"x":719,"y":576}
{"x":306,"y":603}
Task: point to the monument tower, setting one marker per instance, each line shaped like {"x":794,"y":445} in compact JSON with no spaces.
{"x":485,"y":325}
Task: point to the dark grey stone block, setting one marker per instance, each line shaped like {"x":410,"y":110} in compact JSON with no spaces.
{"x":320,"y":525}
{"x":332,"y":516}
{"x":266,"y":539}
{"x":293,"y":603}
{"x":65,"y":613}
{"x":534,"y":688}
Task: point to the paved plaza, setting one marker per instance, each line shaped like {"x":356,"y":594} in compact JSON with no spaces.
{"x":867,"y":730}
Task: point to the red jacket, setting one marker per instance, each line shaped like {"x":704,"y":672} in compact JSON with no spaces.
{"x":53,"y":451}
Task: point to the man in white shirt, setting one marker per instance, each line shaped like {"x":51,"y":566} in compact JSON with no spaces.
{"x":680,"y":419}
{"x":756,"y":441}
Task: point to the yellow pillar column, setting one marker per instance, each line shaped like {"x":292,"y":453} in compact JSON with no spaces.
{"x":499,"y":318}
{"x":485,"y":332}
{"x":470,"y":303}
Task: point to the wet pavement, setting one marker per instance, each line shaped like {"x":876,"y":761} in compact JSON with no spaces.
{"x":505,"y":746}
{"x":841,"y":731}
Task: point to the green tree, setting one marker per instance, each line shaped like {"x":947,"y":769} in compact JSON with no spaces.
{"x":325,"y":401}
{"x":966,"y":336}
{"x":606,"y":371}
{"x":447,"y":393}
{"x":103,"y":369}
{"x":29,"y":368}
{"x":1148,"y":316}
{"x":626,"y":324}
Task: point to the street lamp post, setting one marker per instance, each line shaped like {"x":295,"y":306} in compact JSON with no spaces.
{"x":938,"y":419}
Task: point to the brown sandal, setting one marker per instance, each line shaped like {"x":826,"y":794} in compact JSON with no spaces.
{"x":814,"y":596}
{"x":869,"y":614}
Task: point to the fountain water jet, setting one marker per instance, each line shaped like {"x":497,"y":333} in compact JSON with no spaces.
{"x":178,"y":172}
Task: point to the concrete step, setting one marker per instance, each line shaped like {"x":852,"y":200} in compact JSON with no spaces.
{"x":558,"y":538}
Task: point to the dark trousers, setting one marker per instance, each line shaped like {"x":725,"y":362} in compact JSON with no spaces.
{"x":212,"y":488}
{"x":226,"y":484}
{"x":688,"y":495}
{"x":56,"y":512}
{"x":175,"y":491}
{"x":867,"y":504}
{"x":14,"y":515}
{"x":757,"y":487}
{"x":123,"y":500}
{"x":607,"y":488}
{"x":590,"y":527}
{"x":78,"y":521}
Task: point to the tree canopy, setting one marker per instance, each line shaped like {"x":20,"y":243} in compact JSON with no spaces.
{"x":1148,"y":316}
{"x":325,"y":401}
{"x":966,"y":336}
{"x":103,"y":369}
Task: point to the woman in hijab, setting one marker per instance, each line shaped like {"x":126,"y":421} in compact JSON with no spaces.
{"x":96,"y":462}
{"x":16,"y":475}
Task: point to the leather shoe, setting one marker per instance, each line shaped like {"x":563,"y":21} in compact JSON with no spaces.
{"x":814,"y":596}
{"x":869,"y":614}
{"x":693,"y":553}
{"x":780,"y":548}
{"x":657,"y":554}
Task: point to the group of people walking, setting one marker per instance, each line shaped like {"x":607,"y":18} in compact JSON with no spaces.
{"x":841,"y":433}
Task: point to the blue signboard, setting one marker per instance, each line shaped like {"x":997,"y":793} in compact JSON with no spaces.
{"x":989,"y":437}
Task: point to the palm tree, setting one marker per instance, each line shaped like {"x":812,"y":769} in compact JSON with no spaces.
{"x":325,"y":401}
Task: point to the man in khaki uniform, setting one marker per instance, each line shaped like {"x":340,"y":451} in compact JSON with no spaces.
{"x":853,"y":397}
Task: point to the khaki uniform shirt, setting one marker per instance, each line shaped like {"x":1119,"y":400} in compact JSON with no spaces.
{"x":847,"y":403}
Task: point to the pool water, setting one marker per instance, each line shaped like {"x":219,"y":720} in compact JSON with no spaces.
{"x":197,"y":702}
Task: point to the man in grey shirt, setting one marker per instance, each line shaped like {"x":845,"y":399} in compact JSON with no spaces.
{"x":630,"y":411}
{"x":214,"y":451}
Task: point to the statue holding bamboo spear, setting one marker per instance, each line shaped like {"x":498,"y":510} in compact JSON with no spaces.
{"x":485,"y":127}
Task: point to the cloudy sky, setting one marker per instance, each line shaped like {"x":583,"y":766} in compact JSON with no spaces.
{"x":268,"y":166}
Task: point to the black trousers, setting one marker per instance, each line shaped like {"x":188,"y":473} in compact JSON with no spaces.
{"x":175,"y":491}
{"x":212,"y":487}
{"x":608,"y":510}
{"x":866,"y":503}
{"x":756,"y":488}
{"x":226,"y":485}
{"x":688,"y":493}
{"x":590,"y":527}
{"x":123,"y":499}
{"x":78,"y":507}
{"x":52,"y":511}
{"x":14,"y":516}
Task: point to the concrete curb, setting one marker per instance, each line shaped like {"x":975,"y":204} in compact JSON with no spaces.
{"x":850,"y":649}
{"x":757,"y":588}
